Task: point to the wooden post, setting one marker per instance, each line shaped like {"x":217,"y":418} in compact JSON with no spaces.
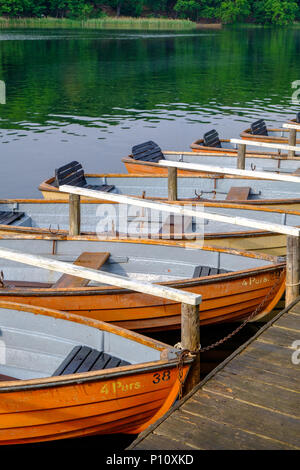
{"x":172,"y":184}
{"x":74,"y":214}
{"x":190,"y":339}
{"x":241,"y":156}
{"x":292,"y":141}
{"x":292,"y":269}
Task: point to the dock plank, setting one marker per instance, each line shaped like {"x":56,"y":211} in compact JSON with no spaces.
{"x":203,"y":434}
{"x":273,"y":397}
{"x":271,"y":374}
{"x":253,"y":419}
{"x":251,"y":401}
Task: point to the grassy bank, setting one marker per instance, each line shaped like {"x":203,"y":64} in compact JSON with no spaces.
{"x":99,"y":23}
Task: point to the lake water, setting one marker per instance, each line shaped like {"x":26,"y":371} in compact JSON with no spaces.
{"x":92,"y":95}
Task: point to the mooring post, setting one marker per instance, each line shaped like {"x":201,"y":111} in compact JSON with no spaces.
{"x":172,"y":184}
{"x":190,"y":339}
{"x":292,"y":141}
{"x":74,"y":214}
{"x":241,"y":156}
{"x":292,"y":268}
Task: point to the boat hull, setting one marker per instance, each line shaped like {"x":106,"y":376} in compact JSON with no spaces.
{"x":123,"y":399}
{"x":275,"y":136}
{"x":191,"y":190}
{"x":225,"y":298}
{"x":275,"y":164}
{"x":77,"y":408}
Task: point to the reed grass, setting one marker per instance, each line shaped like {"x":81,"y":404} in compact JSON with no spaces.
{"x":99,"y":23}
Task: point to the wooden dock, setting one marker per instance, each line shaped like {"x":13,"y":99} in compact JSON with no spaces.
{"x":250,"y":401}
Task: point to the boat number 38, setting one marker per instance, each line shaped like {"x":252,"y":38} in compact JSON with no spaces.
{"x":163,"y":376}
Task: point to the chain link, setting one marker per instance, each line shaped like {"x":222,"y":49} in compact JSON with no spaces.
{"x":240,"y":327}
{"x":258,"y":309}
{"x":184,"y":353}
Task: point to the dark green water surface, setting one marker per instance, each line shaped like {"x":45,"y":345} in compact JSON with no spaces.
{"x":92,"y":95}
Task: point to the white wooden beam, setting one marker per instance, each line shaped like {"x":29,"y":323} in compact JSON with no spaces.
{"x":295,"y":126}
{"x":172,"y":208}
{"x":254,"y":143}
{"x":231,"y":171}
{"x":102,"y":277}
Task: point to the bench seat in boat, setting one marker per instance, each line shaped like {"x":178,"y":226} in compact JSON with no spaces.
{"x":9,"y":217}
{"x":85,"y":359}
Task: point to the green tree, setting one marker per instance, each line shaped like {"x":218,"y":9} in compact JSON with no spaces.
{"x":279,"y":12}
{"x":231,"y":11}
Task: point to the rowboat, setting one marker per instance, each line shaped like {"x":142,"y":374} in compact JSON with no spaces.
{"x":232,"y":283}
{"x":65,"y":376}
{"x":212,"y":187}
{"x":261,"y":133}
{"x":271,"y":162}
{"x":145,"y":157}
{"x":50,"y":219}
{"x":213,"y":145}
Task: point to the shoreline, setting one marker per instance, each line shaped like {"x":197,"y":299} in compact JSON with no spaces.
{"x":100,"y":23}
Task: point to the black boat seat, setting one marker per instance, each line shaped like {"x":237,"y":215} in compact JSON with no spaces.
{"x":259,"y":128}
{"x":147,"y":152}
{"x":201,"y":271}
{"x":9,"y":217}
{"x":211,"y":139}
{"x":73,"y":174}
{"x":298,"y":117}
{"x":85,"y":359}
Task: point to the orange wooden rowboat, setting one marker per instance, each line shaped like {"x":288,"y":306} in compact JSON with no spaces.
{"x":65,"y":376}
{"x":261,"y":133}
{"x":232,"y":283}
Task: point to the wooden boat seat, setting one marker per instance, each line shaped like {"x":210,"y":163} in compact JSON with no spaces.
{"x":87,"y":260}
{"x":9,"y":217}
{"x":201,"y":271}
{"x":259,"y":127}
{"x":85,"y":359}
{"x":211,"y":139}
{"x":147,"y":152}
{"x":73,"y":174}
{"x":237,"y":193}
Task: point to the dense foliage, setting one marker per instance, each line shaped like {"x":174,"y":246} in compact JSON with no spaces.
{"x":280,"y":12}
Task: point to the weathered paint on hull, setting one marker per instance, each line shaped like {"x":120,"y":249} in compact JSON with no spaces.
{"x":103,"y":406}
{"x":227,"y":297}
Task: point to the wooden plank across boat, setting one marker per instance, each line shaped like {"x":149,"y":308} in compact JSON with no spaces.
{"x":66,"y":376}
{"x":232,"y":283}
{"x":50,"y":219}
{"x":212,"y":187}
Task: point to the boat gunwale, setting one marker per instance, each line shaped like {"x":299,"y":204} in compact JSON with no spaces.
{"x":84,"y":377}
{"x":110,"y":290}
{"x":47,"y":187}
{"x":180,"y":244}
{"x":247,"y":134}
{"x":232,"y":152}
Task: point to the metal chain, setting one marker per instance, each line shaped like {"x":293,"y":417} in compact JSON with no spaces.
{"x":181,"y":356}
{"x":249,"y":318}
{"x":239,"y":328}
